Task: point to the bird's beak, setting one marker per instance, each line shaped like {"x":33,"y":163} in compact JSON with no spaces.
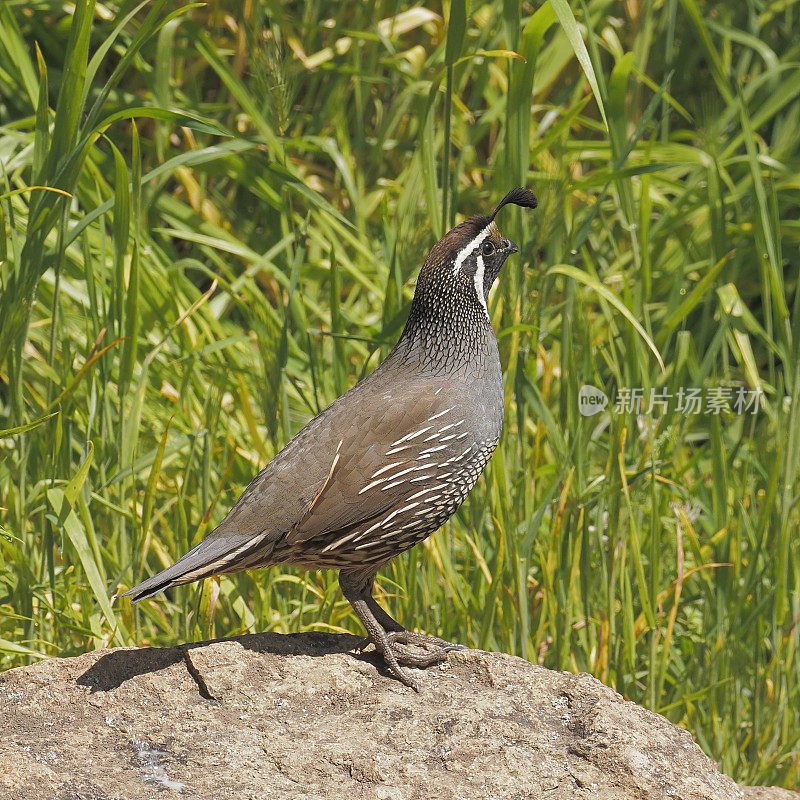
{"x":511,"y":247}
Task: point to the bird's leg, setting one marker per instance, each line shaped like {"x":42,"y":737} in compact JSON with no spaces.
{"x":356,"y":586}
{"x":395,"y":632}
{"x":383,"y":617}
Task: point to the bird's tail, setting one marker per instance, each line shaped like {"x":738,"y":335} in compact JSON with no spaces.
{"x":217,"y":553}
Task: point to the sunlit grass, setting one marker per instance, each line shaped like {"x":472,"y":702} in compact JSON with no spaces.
{"x":207,"y":278}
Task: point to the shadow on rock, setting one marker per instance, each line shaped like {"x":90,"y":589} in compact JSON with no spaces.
{"x":114,"y":668}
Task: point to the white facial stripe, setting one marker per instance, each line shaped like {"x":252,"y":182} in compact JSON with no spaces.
{"x":470,"y":248}
{"x":479,"y":286}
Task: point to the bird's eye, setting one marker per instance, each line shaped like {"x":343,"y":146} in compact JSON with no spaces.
{"x":487,"y":248}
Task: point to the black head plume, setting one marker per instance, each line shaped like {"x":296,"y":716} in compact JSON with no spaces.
{"x":519,"y":197}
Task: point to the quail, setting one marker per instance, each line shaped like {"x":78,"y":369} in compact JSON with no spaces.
{"x":391,"y":460}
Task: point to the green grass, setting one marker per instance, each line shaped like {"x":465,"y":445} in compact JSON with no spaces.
{"x":210,"y":222}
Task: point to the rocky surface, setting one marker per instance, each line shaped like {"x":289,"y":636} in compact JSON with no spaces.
{"x":270,"y":716}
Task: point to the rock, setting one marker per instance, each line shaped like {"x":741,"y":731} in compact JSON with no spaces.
{"x":271,"y":716}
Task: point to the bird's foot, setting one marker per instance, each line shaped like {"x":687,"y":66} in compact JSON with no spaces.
{"x":389,"y":645}
{"x":386,"y":634}
{"x":423,"y":640}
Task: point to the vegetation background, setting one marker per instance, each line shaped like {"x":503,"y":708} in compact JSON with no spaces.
{"x":211,"y":216}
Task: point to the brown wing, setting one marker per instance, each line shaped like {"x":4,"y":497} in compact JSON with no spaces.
{"x":346,"y":466}
{"x":381,"y":458}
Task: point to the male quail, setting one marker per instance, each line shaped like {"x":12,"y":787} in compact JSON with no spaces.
{"x":391,"y":460}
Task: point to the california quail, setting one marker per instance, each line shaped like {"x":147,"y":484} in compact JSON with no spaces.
{"x":391,"y":460}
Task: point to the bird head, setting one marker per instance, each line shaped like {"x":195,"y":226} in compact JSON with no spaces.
{"x":466,"y":261}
